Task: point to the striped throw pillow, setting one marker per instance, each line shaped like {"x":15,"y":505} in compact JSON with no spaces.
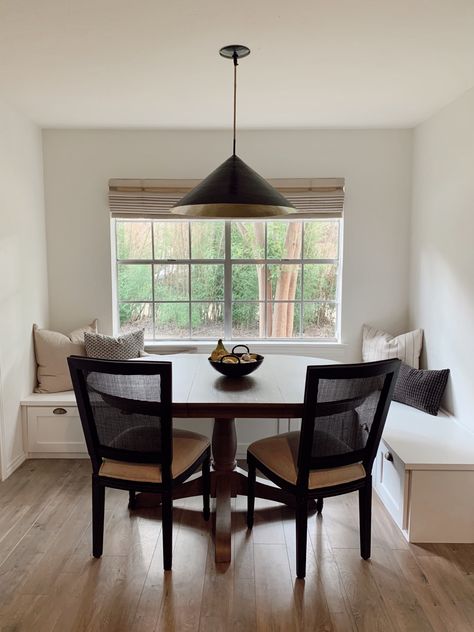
{"x":379,"y":345}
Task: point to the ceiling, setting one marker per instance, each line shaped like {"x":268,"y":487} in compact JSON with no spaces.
{"x":155,"y":63}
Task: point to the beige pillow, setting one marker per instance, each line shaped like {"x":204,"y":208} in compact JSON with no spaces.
{"x":52,"y":350}
{"x":379,"y":345}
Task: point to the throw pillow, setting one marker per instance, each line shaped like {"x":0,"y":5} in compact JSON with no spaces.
{"x":379,"y":345}
{"x":420,"y":388}
{"x":52,"y":349}
{"x":123,"y":347}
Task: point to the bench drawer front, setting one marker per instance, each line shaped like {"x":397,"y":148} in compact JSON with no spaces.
{"x":55,"y":429}
{"x":389,"y":482}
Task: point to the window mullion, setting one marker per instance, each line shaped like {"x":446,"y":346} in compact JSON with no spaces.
{"x":265,"y":279}
{"x":153,"y":310}
{"x":227,"y":282}
{"x":190,"y":312}
{"x":302,"y":278}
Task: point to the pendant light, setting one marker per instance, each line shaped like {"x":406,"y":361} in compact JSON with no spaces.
{"x":233,"y":190}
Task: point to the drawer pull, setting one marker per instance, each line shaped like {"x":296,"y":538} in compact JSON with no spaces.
{"x":59,"y":411}
{"x":388,"y":456}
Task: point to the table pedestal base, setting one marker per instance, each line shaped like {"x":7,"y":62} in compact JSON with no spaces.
{"x":227,"y":481}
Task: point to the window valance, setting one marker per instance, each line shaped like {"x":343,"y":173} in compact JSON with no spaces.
{"x":312,"y":197}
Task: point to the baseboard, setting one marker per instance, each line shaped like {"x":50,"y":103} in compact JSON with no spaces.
{"x":242,"y":450}
{"x":57,"y":455}
{"x":14,"y":465}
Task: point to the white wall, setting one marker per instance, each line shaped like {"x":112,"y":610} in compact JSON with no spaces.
{"x":442,"y":246}
{"x":375,"y":164}
{"x":23,"y":279}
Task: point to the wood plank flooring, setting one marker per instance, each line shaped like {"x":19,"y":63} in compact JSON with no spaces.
{"x":50,"y":583}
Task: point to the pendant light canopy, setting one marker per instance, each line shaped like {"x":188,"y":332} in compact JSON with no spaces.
{"x":233,"y":190}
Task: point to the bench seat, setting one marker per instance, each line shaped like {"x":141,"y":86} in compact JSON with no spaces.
{"x":424,"y":475}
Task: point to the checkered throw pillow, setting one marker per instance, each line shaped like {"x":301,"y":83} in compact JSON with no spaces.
{"x":420,"y":388}
{"x":124,"y":347}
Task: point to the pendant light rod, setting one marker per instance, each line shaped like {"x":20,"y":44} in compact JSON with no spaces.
{"x":234,"y":52}
{"x":235,"y":58}
{"x":233,"y":190}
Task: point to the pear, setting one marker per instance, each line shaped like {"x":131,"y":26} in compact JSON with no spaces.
{"x":219,"y":351}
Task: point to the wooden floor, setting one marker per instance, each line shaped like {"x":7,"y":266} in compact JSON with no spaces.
{"x":49,"y":581}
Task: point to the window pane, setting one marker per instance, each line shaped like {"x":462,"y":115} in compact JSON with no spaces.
{"x":248,"y":282}
{"x":134,"y":240}
{"x":207,"y":282}
{"x":134,"y":282}
{"x":284,"y":281}
{"x":320,"y":281}
{"x":171,"y":282}
{"x":172,"y":320}
{"x":207,"y":240}
{"x":136,"y":316}
{"x":321,"y":239}
{"x":207,"y":320}
{"x":248,"y":320}
{"x":284,"y":240}
{"x":171,"y":240}
{"x":319,"y":320}
{"x":248,"y":240}
{"x":283,"y":320}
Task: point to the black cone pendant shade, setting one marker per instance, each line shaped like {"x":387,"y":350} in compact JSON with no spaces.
{"x":233,"y":190}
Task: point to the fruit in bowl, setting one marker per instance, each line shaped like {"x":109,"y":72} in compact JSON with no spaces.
{"x":234,"y":364}
{"x":219,"y":351}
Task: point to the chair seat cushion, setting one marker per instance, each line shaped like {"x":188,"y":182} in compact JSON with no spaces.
{"x":187,"y":448}
{"x":279,"y":454}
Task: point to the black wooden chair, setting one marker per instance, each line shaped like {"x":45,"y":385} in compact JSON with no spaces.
{"x":345,"y":407}
{"x":125,"y":410}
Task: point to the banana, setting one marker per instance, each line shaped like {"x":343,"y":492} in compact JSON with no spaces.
{"x":219,"y":351}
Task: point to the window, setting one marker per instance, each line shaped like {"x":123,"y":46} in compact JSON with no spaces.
{"x":206,"y":279}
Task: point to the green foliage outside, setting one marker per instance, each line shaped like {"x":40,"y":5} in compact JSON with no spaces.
{"x":205,"y":282}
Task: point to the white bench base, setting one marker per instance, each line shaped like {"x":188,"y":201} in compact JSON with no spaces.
{"x":424,"y":475}
{"x":52,"y":427}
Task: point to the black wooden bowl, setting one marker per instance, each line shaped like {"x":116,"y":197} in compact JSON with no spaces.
{"x":238,"y":369}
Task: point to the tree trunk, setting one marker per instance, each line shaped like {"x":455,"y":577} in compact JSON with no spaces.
{"x":282,"y":321}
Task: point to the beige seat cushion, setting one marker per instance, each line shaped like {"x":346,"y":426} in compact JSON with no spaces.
{"x":52,"y":349}
{"x":280,"y":455}
{"x":187,"y":448}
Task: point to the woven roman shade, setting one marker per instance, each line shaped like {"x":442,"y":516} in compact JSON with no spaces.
{"x":317,"y":197}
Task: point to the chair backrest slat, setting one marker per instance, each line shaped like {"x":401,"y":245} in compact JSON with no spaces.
{"x":125,"y":410}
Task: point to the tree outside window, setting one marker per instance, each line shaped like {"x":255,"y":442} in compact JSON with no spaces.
{"x":238,"y":279}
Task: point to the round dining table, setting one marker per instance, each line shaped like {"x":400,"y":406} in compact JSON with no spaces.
{"x":274,"y":391}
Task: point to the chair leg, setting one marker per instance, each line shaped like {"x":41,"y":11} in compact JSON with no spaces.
{"x":132,"y":500}
{"x":98,"y":506}
{"x":301,"y":536}
{"x":365,"y":519}
{"x":319,"y":505}
{"x":167,"y":529}
{"x":206,"y":487}
{"x":250,"y":492}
